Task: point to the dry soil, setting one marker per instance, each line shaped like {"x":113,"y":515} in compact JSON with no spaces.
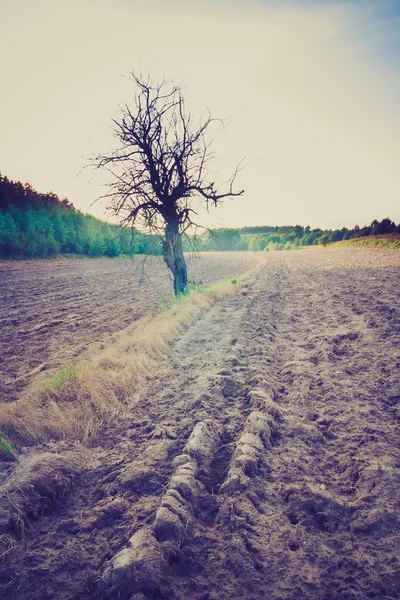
{"x":263,"y":461}
{"x":51,"y":311}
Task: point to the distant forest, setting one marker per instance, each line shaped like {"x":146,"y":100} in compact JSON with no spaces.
{"x":36,"y":225}
{"x":289,"y":237}
{"x":41,"y":225}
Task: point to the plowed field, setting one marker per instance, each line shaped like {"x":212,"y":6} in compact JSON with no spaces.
{"x":53,"y":310}
{"x":264,"y":464}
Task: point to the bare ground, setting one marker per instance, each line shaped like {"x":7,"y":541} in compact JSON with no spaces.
{"x":263,"y":462}
{"x":53,"y":310}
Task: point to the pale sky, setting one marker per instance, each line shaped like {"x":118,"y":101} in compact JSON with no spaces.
{"x":310,"y":91}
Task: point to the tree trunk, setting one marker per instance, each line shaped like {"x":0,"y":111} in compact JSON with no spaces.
{"x":173,"y":256}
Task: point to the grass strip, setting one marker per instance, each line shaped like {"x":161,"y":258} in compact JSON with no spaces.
{"x":78,"y":400}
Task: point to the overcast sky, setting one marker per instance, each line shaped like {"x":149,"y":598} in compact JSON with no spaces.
{"x":310,"y":91}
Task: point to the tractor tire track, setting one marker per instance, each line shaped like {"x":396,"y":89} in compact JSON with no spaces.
{"x":263,"y":461}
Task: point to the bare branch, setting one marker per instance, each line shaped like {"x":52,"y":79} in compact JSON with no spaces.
{"x":162,"y":161}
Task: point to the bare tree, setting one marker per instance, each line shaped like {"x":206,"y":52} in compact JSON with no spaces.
{"x":162,"y":164}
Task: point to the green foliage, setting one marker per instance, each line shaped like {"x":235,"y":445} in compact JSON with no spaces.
{"x":274,"y":238}
{"x":221,"y":240}
{"x":274,"y":247}
{"x":34,"y":225}
{"x":257,"y":242}
{"x":233,"y":281}
{"x":325,"y":239}
{"x":383,"y":227}
{"x":242,"y":246}
{"x":288,"y":237}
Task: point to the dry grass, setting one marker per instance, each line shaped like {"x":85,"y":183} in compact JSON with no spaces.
{"x":391,"y":241}
{"x":78,"y":400}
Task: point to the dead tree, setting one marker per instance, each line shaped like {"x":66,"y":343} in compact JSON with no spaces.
{"x":161,"y":166}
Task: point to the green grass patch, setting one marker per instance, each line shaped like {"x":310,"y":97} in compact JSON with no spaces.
{"x":7,"y":450}
{"x":194,"y":284}
{"x":62,"y":379}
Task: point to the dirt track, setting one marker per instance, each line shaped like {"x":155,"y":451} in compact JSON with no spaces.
{"x":288,"y":486}
{"x":53,"y":310}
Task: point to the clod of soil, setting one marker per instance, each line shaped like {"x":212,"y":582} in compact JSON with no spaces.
{"x":37,"y":482}
{"x":137,"y":568}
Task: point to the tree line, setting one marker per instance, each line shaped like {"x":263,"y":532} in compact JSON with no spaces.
{"x":37,"y":225}
{"x":255,"y":239}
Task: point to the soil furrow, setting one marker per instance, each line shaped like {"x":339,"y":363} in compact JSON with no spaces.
{"x":294,"y":497}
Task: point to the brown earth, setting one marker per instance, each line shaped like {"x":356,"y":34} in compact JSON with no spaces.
{"x":53,"y":310}
{"x":263,"y":461}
